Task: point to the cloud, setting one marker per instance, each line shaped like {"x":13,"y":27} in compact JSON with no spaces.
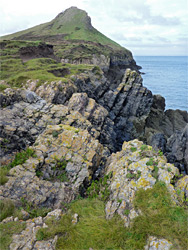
{"x":141,"y":13}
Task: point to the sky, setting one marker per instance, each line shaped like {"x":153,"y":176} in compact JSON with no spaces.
{"x":146,"y":27}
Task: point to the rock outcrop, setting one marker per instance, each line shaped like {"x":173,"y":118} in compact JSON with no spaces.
{"x":136,"y":166}
{"x":167,"y":131}
{"x":66,"y":161}
{"x":116,"y":111}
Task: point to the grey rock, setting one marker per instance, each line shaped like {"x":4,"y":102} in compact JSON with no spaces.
{"x":158,"y":142}
{"x":26,"y":240}
{"x":177,"y":148}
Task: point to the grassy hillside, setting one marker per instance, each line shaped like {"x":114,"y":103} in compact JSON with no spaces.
{"x":73,"y":38}
{"x":72,"y":24}
{"x":15,"y":72}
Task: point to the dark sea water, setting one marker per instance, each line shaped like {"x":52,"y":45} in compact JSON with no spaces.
{"x":167,"y":76}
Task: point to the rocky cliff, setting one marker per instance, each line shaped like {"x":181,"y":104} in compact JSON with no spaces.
{"x":90,"y":159}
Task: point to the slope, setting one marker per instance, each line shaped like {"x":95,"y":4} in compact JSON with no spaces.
{"x":72,"y":24}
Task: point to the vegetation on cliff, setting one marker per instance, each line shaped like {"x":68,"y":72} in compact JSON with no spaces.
{"x":159,"y":217}
{"x":15,"y":72}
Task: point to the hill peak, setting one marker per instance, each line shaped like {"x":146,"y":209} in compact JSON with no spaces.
{"x":75,"y":17}
{"x":73,"y":24}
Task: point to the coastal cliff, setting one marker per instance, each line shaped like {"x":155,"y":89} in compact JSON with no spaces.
{"x":90,"y":159}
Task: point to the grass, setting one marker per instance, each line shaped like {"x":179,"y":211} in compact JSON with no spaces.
{"x":3,"y":175}
{"x":160,"y":217}
{"x":7,"y":230}
{"x":16,"y":73}
{"x":3,"y":87}
{"x":32,"y":210}
{"x":100,"y":188}
{"x":7,"y":209}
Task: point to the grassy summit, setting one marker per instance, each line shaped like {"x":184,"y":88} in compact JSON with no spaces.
{"x":72,"y":24}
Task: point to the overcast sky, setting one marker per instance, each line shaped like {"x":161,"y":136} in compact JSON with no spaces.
{"x":146,"y":27}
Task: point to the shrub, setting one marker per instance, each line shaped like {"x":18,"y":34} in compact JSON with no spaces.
{"x":100,"y":188}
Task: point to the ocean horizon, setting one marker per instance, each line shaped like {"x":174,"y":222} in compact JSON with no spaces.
{"x":168,"y":77}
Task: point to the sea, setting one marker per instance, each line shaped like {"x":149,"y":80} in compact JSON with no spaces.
{"x":168,"y":77}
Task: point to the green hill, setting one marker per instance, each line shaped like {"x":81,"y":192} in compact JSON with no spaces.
{"x":72,"y":24}
{"x":69,"y":36}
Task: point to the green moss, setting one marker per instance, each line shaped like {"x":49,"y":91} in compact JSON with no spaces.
{"x":22,"y":157}
{"x":7,"y":230}
{"x":133,"y":149}
{"x":143,"y":147}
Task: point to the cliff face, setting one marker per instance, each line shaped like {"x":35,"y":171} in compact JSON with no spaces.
{"x":74,"y":119}
{"x":115,"y":112}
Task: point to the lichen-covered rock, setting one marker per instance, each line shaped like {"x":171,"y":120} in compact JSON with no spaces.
{"x":182,"y":188}
{"x":157,"y":244}
{"x":27,"y":240}
{"x":75,"y":148}
{"x":136,"y":166}
{"x":56,"y":92}
{"x":67,"y":158}
{"x":97,"y":116}
{"x":56,"y":214}
{"x":27,"y":117}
